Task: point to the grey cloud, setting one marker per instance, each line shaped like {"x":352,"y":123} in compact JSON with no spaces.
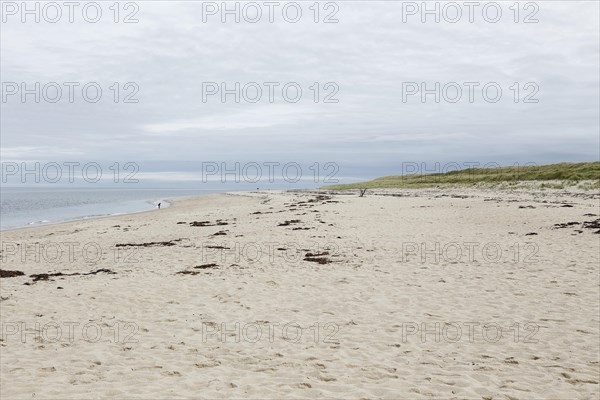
{"x":369,"y":54}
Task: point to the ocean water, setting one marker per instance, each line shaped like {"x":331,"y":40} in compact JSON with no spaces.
{"x":21,"y":207}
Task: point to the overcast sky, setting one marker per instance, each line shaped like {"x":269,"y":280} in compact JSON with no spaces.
{"x":370,"y":55}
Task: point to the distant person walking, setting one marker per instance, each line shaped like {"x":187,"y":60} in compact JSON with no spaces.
{"x":159,"y":206}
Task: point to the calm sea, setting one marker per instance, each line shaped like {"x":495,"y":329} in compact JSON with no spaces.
{"x":20,"y":207}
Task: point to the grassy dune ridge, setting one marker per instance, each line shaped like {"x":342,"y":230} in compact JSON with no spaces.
{"x":585,"y":175}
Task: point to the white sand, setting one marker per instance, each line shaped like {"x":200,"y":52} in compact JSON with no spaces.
{"x":366,"y":305}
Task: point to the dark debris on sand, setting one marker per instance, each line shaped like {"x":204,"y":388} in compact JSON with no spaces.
{"x":188,"y":272}
{"x":318,"y":257}
{"x":566,"y":224}
{"x":4,"y":273}
{"x":46,"y":277}
{"x":595,"y":224}
{"x":319,"y":260}
{"x":203,"y":266}
{"x":322,"y":199}
{"x":592,"y":224}
{"x":325,"y":253}
{"x":149,"y":244}
{"x":292,"y":221}
{"x":208,"y":223}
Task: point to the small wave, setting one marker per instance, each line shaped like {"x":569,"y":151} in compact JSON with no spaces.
{"x":93,"y":216}
{"x":64,"y":206}
{"x":44,"y":221}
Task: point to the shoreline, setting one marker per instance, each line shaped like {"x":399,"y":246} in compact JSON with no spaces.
{"x":75,"y":220}
{"x":343,"y":192}
{"x":170,"y":201}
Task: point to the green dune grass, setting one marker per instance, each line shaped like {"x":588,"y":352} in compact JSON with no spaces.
{"x":585,"y":175}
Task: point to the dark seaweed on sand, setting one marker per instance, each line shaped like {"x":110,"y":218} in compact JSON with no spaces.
{"x":46,"y":277}
{"x":10,"y":274}
{"x":149,"y":244}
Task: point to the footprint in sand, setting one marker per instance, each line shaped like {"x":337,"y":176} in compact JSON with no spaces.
{"x":171,"y":373}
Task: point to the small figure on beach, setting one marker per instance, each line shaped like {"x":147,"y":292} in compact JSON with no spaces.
{"x":159,"y":206}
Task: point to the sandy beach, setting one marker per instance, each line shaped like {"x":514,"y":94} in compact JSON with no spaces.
{"x":401,"y":294}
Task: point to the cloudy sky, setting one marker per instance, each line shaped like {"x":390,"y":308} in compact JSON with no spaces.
{"x":372,"y":59}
